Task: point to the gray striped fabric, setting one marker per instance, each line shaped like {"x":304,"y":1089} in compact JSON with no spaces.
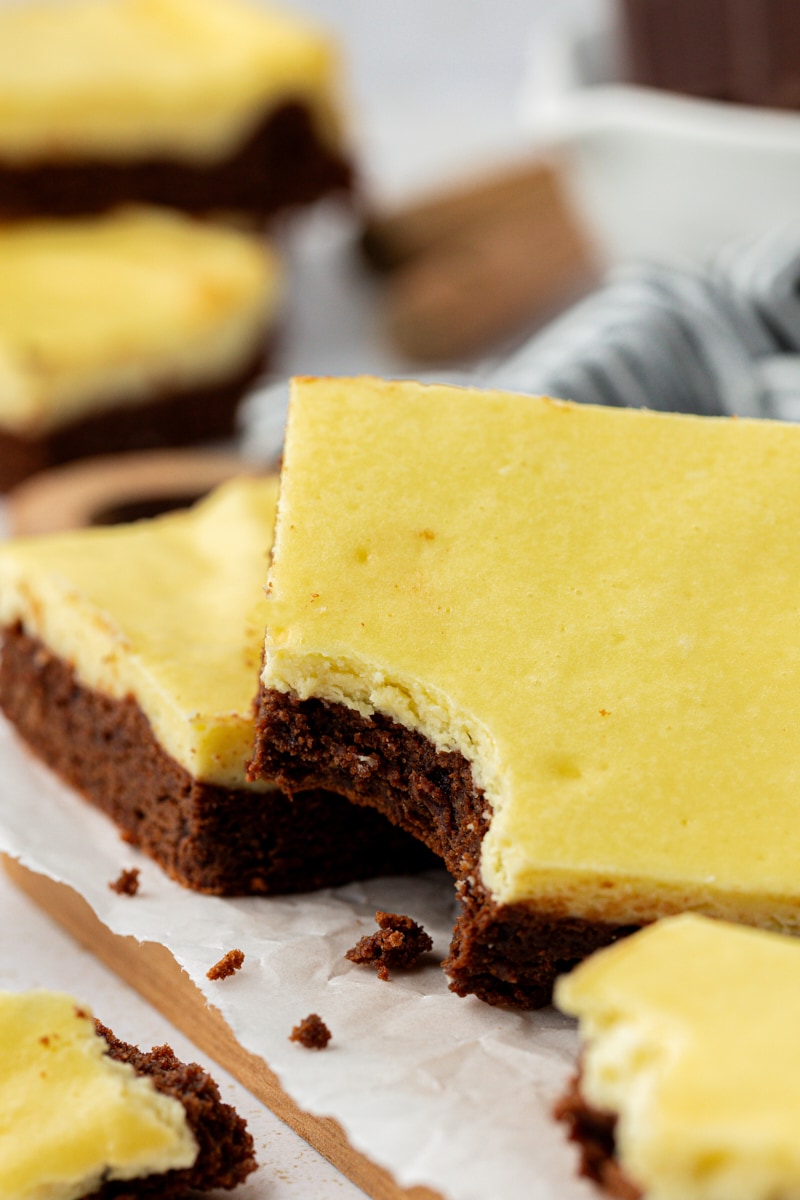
{"x":723,"y":340}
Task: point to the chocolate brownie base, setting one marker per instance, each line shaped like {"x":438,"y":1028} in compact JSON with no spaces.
{"x":225,"y":1149}
{"x":512,"y":954}
{"x":212,"y":839}
{"x":505,"y":954}
{"x":283,"y":163}
{"x":183,"y":417}
{"x":594,"y":1132}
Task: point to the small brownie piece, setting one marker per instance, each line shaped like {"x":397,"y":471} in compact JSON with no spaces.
{"x":228,"y":965}
{"x":690,"y":1078}
{"x":86,"y":1115}
{"x":311,"y":1032}
{"x":226,"y":1153}
{"x":398,"y":944}
{"x":126,"y":883}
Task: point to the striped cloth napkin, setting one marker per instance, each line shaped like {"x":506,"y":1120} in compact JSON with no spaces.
{"x":720,"y":341}
{"x":717,"y":342}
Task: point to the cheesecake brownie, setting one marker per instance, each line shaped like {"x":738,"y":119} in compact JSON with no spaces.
{"x":555,"y":642}
{"x":87,"y":1115}
{"x":690,"y":1082}
{"x":137,"y":329}
{"x":129,"y":662}
{"x":203,"y":105}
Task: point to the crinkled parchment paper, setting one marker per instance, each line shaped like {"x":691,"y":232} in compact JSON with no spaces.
{"x":439,"y":1090}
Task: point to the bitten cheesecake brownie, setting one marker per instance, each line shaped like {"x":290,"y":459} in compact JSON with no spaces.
{"x":86,"y":1115}
{"x":142,"y":328}
{"x":557,"y":643}
{"x":129,"y":664}
{"x":690,"y":1073}
{"x":196,"y":104}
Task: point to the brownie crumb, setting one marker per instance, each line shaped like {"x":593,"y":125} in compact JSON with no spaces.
{"x":127,"y":883}
{"x":312,"y":1032}
{"x":399,"y":943}
{"x":229,"y":964}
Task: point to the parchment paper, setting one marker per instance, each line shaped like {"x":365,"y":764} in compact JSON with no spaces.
{"x":441,"y":1091}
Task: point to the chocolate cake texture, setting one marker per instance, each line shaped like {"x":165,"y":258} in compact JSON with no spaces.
{"x":283,"y":164}
{"x":231,"y":962}
{"x":505,"y":954}
{"x":225,"y":841}
{"x":312,"y":1033}
{"x":399,"y":944}
{"x":180,"y":417}
{"x":226,"y":1154}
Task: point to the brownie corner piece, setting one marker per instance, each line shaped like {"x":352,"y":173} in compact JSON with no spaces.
{"x":226,"y":1151}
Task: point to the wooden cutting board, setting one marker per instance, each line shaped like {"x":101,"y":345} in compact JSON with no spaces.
{"x":151,"y":970}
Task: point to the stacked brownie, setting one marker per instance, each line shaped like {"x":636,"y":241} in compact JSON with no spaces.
{"x":135,"y":329}
{"x":139,"y":329}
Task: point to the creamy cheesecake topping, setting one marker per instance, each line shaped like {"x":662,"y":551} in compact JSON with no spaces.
{"x":122,"y":79}
{"x":690,"y":1039}
{"x":599,"y":608}
{"x":70,"y":1116}
{"x":170,"y":611}
{"x":96,"y":312}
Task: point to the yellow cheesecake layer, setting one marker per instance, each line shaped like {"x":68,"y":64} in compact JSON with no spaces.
{"x":122,"y":79}
{"x":170,"y":611}
{"x":102,"y":311}
{"x":70,"y":1116}
{"x":599,"y":608}
{"x":691,"y":1037}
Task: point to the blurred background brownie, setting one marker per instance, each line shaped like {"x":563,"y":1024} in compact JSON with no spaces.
{"x":136,"y":329}
{"x":202,"y":105}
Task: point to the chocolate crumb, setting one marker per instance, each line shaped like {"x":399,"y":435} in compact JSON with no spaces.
{"x":312,"y":1032}
{"x":127,"y":883}
{"x":399,"y":943}
{"x":229,"y":964}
